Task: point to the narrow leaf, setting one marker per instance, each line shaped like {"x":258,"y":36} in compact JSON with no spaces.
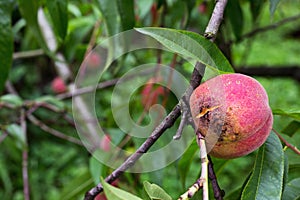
{"x":273,"y":6}
{"x":17,"y":133}
{"x":95,"y":169}
{"x":256,"y":7}
{"x":113,"y":193}
{"x":12,"y":100}
{"x":236,"y":17}
{"x":6,"y":41}
{"x":266,"y":179}
{"x":126,"y":10}
{"x":292,"y":190}
{"x":292,"y":113}
{"x":291,"y":128}
{"x":155,"y":192}
{"x":286,"y":171}
{"x":294,"y":170}
{"x":59,"y":15}
{"x":77,"y":186}
{"x":29,"y":10}
{"x":186,"y":161}
{"x":109,"y":10}
{"x":190,"y":45}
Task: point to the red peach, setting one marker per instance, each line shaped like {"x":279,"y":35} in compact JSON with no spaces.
{"x":58,"y":85}
{"x":233,"y":113}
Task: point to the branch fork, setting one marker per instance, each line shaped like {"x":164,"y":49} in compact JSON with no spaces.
{"x":212,"y":27}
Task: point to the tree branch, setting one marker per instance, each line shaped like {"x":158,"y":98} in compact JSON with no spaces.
{"x":267,"y":28}
{"x":54,"y":132}
{"x":218,"y":192}
{"x":168,"y":122}
{"x":25,"y":157}
{"x":28,"y":54}
{"x":272,"y":71}
{"x":292,"y":147}
{"x":215,"y":20}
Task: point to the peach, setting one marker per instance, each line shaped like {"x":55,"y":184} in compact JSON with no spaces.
{"x":232,"y":112}
{"x":58,"y":85}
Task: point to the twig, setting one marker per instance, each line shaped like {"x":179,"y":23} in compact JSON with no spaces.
{"x":267,"y":28}
{"x":173,"y":115}
{"x":33,"y":106}
{"x":28,"y":54}
{"x":204,"y":165}
{"x":93,"y":38}
{"x":192,"y":190}
{"x":293,"y":148}
{"x":218,"y":192}
{"x":202,"y":182}
{"x":25,"y":157}
{"x":104,"y":84}
{"x":215,"y":20}
{"x":164,"y":125}
{"x":272,"y":71}
{"x":184,"y":102}
{"x":54,"y":132}
{"x":210,"y":33}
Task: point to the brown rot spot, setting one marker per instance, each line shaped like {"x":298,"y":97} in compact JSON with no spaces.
{"x":205,"y":110}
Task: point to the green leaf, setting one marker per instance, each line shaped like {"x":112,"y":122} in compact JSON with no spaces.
{"x":186,"y":161}
{"x":95,"y":169}
{"x":126,"y":10}
{"x":113,"y":193}
{"x":12,"y":100}
{"x":144,"y":6}
{"x":77,"y":186}
{"x":109,"y":11}
{"x":6,"y":180}
{"x":29,"y":10}
{"x":291,"y":128}
{"x":190,"y":45}
{"x":235,"y":194}
{"x":16,"y":132}
{"x":292,"y":190}
{"x":235,"y":15}
{"x":294,"y":171}
{"x":6,"y":41}
{"x":155,"y":192}
{"x":292,"y":113}
{"x":266,"y":179}
{"x":51,"y":100}
{"x":286,"y":171}
{"x":256,"y":7}
{"x":273,"y":6}
{"x":59,"y":15}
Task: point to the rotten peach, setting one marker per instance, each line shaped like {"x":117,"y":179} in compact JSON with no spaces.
{"x":232,"y":112}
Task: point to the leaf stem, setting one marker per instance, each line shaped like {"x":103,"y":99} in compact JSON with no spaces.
{"x":292,"y":147}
